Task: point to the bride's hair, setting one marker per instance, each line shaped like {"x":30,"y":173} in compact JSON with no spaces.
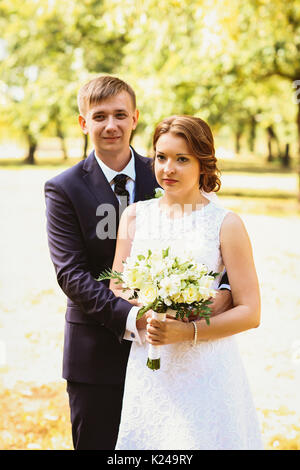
{"x":200,"y":140}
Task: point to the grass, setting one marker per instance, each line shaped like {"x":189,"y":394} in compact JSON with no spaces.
{"x":272,"y":206}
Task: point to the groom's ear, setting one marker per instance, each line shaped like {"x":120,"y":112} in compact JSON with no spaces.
{"x":135,"y":119}
{"x":82,"y":123}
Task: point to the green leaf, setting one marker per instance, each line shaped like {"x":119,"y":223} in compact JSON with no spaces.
{"x":109,"y":274}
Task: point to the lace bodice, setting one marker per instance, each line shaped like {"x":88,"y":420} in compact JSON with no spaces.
{"x":196,"y":231}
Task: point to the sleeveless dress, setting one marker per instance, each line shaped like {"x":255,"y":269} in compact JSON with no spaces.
{"x":200,"y":397}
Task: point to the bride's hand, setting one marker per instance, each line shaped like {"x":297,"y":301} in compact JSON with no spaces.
{"x":168,"y":332}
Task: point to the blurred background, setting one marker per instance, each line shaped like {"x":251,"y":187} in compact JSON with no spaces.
{"x":234,"y":63}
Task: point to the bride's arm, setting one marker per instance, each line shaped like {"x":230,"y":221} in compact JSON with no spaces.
{"x":245,"y":314}
{"x":123,"y":248}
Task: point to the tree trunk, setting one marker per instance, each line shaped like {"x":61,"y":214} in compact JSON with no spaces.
{"x":252,"y":134}
{"x":238,"y":136}
{"x":270,"y":154}
{"x":32,"y":146}
{"x":286,"y":158}
{"x":61,"y":136}
{"x":85,"y":146}
{"x":272,"y":137}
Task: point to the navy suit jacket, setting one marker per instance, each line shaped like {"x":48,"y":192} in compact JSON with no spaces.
{"x":94,"y":351}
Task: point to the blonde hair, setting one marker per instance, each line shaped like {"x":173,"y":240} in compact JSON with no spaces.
{"x":101,"y":88}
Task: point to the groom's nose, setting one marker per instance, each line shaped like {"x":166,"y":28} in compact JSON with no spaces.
{"x":110,"y":123}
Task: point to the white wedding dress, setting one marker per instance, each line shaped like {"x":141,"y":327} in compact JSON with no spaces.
{"x":200,"y":397}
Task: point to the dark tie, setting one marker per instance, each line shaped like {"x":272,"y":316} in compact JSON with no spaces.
{"x":120,"y":189}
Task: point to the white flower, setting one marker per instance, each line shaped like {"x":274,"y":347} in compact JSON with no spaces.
{"x":169,"y":286}
{"x":206,"y":281}
{"x":157,"y":268}
{"x":132,"y":279}
{"x":147,"y":294}
{"x":190,"y":294}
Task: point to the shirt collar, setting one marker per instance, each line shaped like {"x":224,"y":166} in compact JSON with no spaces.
{"x":129,"y":169}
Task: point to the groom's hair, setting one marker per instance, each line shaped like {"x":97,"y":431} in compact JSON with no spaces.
{"x":200,"y":141}
{"x":99,"y":89}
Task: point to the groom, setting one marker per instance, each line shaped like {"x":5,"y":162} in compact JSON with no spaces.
{"x":83,"y":206}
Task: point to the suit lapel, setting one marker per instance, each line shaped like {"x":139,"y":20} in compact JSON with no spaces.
{"x":97,"y":182}
{"x":100,"y":188}
{"x":145,"y":181}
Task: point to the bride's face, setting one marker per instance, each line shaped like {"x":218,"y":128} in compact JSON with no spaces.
{"x":176,"y":168}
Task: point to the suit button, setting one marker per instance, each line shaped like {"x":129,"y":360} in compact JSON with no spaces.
{"x":132,"y":335}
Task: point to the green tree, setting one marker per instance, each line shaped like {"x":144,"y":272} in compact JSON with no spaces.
{"x":273,"y":41}
{"x":50,"y":49}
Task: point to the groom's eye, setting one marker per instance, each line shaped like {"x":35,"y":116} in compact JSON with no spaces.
{"x":99,"y":117}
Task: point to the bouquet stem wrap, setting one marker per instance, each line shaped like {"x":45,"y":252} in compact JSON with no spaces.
{"x":153,"y":361}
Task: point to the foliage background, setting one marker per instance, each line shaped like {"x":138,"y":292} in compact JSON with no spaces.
{"x":234,"y":63}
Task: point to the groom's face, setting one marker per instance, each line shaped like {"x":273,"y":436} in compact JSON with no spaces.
{"x":110,"y":124}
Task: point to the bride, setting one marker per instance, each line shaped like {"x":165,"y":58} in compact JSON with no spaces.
{"x":200,"y":397}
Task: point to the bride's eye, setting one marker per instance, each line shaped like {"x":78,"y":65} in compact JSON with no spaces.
{"x":160,"y":157}
{"x":183,"y":159}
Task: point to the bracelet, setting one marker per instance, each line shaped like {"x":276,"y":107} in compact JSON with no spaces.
{"x":195,"y":333}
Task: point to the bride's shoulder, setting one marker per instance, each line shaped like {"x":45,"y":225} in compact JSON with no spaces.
{"x":231,"y":219}
{"x":232,"y":225}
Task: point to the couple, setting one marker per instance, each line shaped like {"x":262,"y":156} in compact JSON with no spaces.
{"x":200,"y":398}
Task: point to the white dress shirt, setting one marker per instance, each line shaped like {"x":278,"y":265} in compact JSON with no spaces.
{"x":131,"y":332}
{"x":129,"y":171}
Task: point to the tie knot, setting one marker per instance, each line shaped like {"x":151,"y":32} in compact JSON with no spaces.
{"x":120,"y":187}
{"x":120,"y":181}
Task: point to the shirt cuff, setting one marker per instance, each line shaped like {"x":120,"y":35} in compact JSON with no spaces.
{"x":224,"y":286}
{"x":131,"y":332}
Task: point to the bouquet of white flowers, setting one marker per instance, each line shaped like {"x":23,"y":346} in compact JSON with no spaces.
{"x":161,"y":280}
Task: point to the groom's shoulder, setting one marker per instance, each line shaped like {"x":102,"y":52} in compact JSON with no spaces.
{"x":147,"y":161}
{"x":67,"y":176}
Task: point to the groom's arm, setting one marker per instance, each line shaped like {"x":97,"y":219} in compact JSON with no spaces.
{"x":223,"y":300}
{"x":224,"y":283}
{"x":69,"y":255}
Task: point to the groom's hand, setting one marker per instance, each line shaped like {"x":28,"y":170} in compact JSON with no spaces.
{"x":141,"y":324}
{"x":221,"y":302}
